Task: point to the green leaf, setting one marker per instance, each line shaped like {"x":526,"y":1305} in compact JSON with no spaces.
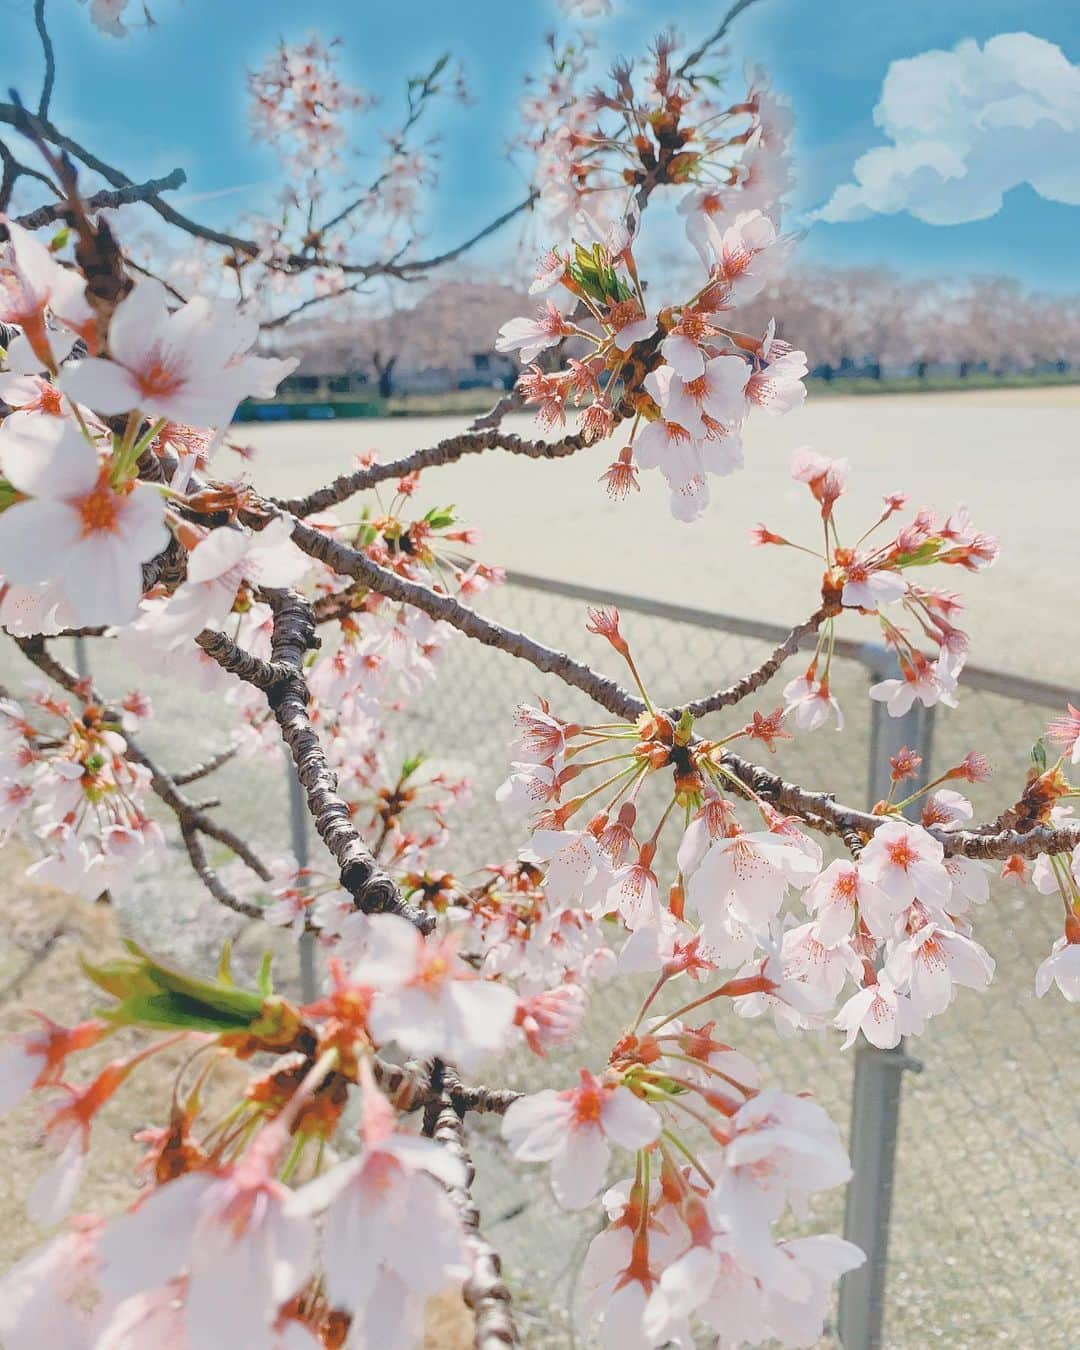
{"x":121,"y":978}
{"x":264,"y":981}
{"x":1038,"y":754}
{"x":150,"y":993}
{"x":409,"y":766}
{"x":224,"y":965}
{"x":223,"y":998}
{"x":927,"y":552}
{"x":165,"y":1011}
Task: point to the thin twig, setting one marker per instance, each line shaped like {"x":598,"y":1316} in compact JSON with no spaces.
{"x":716,"y":36}
{"x":106,"y":198}
{"x":207,"y":767}
{"x":760,"y":675}
{"x":50,"y":58}
{"x":447,"y":451}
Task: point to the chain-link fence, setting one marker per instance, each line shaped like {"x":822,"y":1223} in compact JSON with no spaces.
{"x":981,"y":1241}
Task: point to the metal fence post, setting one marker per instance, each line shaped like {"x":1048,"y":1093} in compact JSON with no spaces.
{"x":82,"y":660}
{"x":298,"y":827}
{"x":875,"y":1094}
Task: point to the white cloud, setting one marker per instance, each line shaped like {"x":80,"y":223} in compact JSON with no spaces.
{"x":966,"y":126}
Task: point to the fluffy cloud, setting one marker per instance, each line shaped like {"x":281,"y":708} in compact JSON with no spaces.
{"x":966,"y":126}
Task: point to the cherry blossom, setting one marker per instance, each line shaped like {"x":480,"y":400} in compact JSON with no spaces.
{"x":905,"y":862}
{"x":881,"y":1013}
{"x":245,"y":1241}
{"x":532,"y":336}
{"x":391,"y":1237}
{"x":574,"y":1130}
{"x":810,"y":701}
{"x":934,"y":959}
{"x":187,"y":365}
{"x":841,"y":892}
{"x":427,"y":999}
{"x":100,"y":534}
{"x":1062,"y":967}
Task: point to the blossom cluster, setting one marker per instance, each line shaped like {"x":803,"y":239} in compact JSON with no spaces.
{"x":252,"y":1225}
{"x":879,"y":580}
{"x":65,"y":773}
{"x":675,"y":367}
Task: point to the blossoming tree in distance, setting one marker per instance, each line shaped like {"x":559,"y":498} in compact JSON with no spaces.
{"x":330,"y":1200}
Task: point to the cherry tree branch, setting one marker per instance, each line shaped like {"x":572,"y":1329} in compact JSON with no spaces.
{"x":282,"y":680}
{"x":107,"y":198}
{"x":484,"y":1291}
{"x":820,"y":810}
{"x":447,"y":451}
{"x":14,"y":115}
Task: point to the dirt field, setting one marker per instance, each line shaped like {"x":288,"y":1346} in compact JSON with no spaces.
{"x":1010,"y":455}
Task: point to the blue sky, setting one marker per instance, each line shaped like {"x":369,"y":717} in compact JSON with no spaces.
{"x":175,"y":96}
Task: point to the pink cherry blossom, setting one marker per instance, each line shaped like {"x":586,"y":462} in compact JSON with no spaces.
{"x":187,"y":365}
{"x":246,"y":1242}
{"x":427,"y":999}
{"x":532,"y":336}
{"x":1062,"y":967}
{"x":838,"y":893}
{"x":748,"y":876}
{"x":881,"y":1013}
{"x":929,"y":682}
{"x":392,"y":1237}
{"x":811,"y":703}
{"x":906,"y":863}
{"x":933,"y":960}
{"x":99,"y":536}
{"x":574,"y":1130}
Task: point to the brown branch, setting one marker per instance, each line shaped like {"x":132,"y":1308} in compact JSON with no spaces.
{"x":762,"y":674}
{"x":282,"y":680}
{"x":348,"y":561}
{"x":444,"y":452}
{"x":510,"y":402}
{"x":240,"y":662}
{"x":484,"y":1291}
{"x":282,"y":319}
{"x":13,"y":170}
{"x":820,"y":810}
{"x":50,"y":58}
{"x":206,"y":768}
{"x":711,"y":41}
{"x":106,"y":198}
{"x":15,"y":116}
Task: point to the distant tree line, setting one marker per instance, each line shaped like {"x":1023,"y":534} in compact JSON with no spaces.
{"x":851,"y":321}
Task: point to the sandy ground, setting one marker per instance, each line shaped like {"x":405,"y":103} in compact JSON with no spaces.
{"x":1010,"y":455}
